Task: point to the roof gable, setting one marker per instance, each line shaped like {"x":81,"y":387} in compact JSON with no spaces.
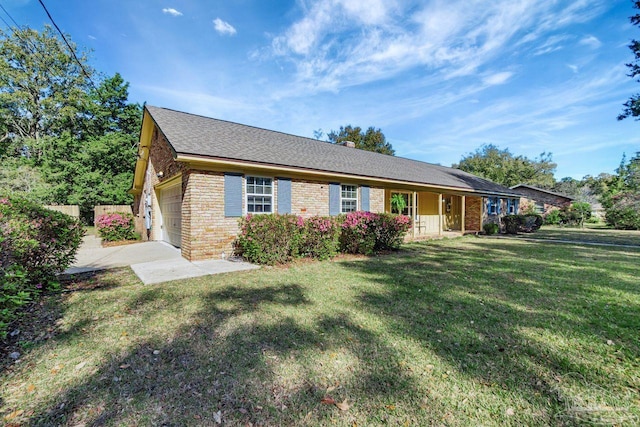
{"x":540,"y":190}
{"x":191,"y":134}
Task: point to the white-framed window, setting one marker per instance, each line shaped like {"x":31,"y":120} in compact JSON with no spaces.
{"x":259,"y":192}
{"x":348,"y":198}
{"x":493,"y":206}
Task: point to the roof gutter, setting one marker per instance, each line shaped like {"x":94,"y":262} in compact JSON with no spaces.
{"x":220,"y":163}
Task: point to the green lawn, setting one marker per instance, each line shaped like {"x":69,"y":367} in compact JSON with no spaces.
{"x":591,"y":234}
{"x":469,"y":331}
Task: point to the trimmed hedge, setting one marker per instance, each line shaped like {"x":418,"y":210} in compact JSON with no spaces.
{"x":277,"y":239}
{"x":35,"y":244}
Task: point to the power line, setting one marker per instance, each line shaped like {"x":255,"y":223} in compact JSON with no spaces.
{"x":29,"y":44}
{"x":10,"y":17}
{"x":68,"y":45}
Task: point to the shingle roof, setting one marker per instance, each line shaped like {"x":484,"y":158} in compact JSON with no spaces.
{"x":190,"y":134}
{"x":531,"y":187}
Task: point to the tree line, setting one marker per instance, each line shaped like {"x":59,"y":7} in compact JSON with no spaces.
{"x":68,"y":134}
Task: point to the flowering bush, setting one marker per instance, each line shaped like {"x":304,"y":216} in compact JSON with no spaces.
{"x":116,"y":226}
{"x":320,"y":237}
{"x":277,"y":239}
{"x":358,"y":233}
{"x":35,"y":244}
{"x":269,"y":239}
{"x":368,"y":233}
{"x":390,"y":231}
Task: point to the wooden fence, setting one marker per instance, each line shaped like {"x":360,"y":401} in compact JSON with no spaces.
{"x":72,"y":210}
{"x":106,"y":209}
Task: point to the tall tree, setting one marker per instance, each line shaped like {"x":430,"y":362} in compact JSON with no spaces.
{"x":501,"y":166}
{"x":42,"y":87}
{"x":76,"y":140}
{"x":371,"y":140}
{"x":632,"y":106}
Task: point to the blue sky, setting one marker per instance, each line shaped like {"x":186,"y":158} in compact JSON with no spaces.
{"x":439,"y":77}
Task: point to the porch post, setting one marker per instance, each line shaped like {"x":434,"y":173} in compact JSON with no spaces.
{"x":439,"y":214}
{"x":462,"y":217}
{"x":414,"y":213}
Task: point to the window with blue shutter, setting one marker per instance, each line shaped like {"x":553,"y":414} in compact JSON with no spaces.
{"x":334,"y":198}
{"x":493,"y":205}
{"x":284,"y":196}
{"x":232,"y":195}
{"x":364,"y":195}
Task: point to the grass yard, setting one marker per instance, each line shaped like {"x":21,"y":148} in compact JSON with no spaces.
{"x":590,"y":234}
{"x":468,"y":331}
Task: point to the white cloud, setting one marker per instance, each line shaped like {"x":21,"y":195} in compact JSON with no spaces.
{"x":497,"y":78}
{"x":591,"y":42}
{"x":171,"y":11}
{"x":337,"y":44}
{"x":573,"y":67}
{"x":223,"y":27}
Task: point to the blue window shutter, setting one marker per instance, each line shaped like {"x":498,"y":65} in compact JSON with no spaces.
{"x":488,"y":205}
{"x":499,"y":205}
{"x":232,"y":195}
{"x":364,"y":196}
{"x":284,"y":195}
{"x":334,"y":198}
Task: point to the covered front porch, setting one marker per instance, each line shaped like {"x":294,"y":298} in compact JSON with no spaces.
{"x":437,"y":214}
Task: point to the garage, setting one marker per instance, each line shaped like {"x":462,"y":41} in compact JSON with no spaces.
{"x":171,"y":211}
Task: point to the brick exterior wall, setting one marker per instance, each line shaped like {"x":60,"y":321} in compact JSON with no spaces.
{"x":376,"y":200}
{"x":549,"y":201}
{"x":309,"y":198}
{"x":160,"y":160}
{"x":206,"y":232}
{"x":472,"y":213}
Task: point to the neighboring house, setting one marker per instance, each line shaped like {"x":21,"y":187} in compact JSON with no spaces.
{"x":542,"y":201}
{"x":196,"y":177}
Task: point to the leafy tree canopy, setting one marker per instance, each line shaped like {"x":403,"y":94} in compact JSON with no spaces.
{"x":371,"y":140}
{"x":504,"y":168}
{"x":74,"y":139}
{"x":632,"y":106}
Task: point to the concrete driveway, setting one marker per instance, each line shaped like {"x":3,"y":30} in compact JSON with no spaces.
{"x":153,"y":262}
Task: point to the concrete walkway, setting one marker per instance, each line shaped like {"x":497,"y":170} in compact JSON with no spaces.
{"x":153,"y":262}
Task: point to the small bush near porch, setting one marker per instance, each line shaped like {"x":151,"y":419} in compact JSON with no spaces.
{"x":454,"y":332}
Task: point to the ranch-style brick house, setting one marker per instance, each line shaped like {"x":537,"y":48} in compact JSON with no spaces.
{"x":542,"y":201}
{"x":195,"y":177}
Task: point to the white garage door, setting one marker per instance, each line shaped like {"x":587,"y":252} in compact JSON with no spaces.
{"x":171,"y":209}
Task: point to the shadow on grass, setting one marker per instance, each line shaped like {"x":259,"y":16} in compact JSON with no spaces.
{"x":240,"y":356}
{"x":520,"y":322}
{"x":523,"y":318}
{"x":47,"y":310}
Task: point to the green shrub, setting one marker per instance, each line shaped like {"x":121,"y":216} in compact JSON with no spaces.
{"x":491,"y":228}
{"x":116,"y":226}
{"x":531,"y":222}
{"x":553,"y":217}
{"x":624,"y":211}
{"x":269,"y":239}
{"x":277,"y":239}
{"x":320,"y":237}
{"x":513,"y":223}
{"x":35,"y":244}
{"x":368,"y":233}
{"x":390,"y":231}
